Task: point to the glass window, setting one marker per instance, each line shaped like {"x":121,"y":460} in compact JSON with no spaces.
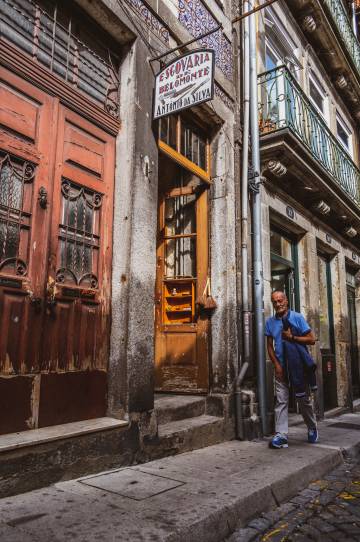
{"x":343,"y":134}
{"x":270,"y":59}
{"x":324,"y":309}
{"x":280,"y":246}
{"x":316,"y":96}
{"x":187,"y":140}
{"x":350,"y":279}
{"x":193,"y":146}
{"x":79,"y":233}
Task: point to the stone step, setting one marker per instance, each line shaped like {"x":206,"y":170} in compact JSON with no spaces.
{"x":170,"y":408}
{"x":181,"y":436}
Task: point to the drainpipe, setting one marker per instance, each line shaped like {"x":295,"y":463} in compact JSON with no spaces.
{"x":244,"y":234}
{"x":354,"y":22}
{"x":258,"y":279}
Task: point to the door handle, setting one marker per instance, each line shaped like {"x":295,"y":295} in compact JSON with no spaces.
{"x":36,"y":303}
{"x":50,"y":297}
{"x":42,"y":198}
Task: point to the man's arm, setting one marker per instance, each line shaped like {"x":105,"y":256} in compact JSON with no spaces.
{"x":307,"y":339}
{"x":279,"y":372}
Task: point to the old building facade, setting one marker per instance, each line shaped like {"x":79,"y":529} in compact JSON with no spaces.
{"x":114,"y":226}
{"x":309,"y":124}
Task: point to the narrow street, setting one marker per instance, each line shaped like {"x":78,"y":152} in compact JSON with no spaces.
{"x":328,"y":509}
{"x":207,"y":495}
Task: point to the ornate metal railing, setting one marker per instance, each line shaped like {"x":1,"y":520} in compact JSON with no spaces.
{"x":337,"y":13}
{"x":42,"y":35}
{"x":283,"y":104}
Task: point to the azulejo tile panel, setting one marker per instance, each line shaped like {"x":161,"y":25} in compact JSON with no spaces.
{"x":197,"y":19}
{"x":149,"y":19}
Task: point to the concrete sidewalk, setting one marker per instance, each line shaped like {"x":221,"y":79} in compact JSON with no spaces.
{"x":197,"y":496}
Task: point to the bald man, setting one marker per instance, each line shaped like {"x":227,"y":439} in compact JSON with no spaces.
{"x":298,"y":332}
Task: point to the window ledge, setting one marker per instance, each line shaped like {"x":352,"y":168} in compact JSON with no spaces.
{"x":33,"y":437}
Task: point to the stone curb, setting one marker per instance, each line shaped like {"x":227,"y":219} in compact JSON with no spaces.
{"x":221,"y":523}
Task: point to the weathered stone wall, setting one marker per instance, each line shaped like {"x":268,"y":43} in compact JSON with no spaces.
{"x":148,"y":30}
{"x":313,"y":234}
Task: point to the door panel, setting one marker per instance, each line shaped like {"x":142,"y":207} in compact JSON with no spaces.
{"x":28,"y":130}
{"x":78,"y":280}
{"x":56,"y":197}
{"x":181,"y":344}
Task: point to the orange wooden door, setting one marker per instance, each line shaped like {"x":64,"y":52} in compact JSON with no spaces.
{"x":56,"y":199}
{"x":77,"y":298}
{"x":28,"y":129}
{"x":181,"y":344}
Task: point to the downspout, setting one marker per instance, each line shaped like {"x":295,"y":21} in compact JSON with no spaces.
{"x":243,"y":367}
{"x":354,"y":22}
{"x":258,"y":279}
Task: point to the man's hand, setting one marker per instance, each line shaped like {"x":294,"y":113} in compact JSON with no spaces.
{"x":287,"y":335}
{"x":279,"y":372}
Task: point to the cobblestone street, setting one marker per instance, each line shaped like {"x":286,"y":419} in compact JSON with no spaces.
{"x":328,"y":509}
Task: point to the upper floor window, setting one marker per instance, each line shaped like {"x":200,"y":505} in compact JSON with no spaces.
{"x":186,"y":143}
{"x":318,"y":96}
{"x":343,"y":133}
{"x":61,"y":37}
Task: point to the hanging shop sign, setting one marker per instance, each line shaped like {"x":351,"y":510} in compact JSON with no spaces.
{"x":186,"y":81}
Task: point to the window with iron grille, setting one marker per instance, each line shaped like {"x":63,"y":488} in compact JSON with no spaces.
{"x":66,"y":42}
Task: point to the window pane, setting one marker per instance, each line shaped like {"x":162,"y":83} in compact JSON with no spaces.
{"x":167,"y":130}
{"x":324,"y":331}
{"x":78,"y":233}
{"x":180,"y":217}
{"x":342,"y":134}
{"x":180,"y":257}
{"x":193,"y":146}
{"x":280,"y":245}
{"x":316,"y":96}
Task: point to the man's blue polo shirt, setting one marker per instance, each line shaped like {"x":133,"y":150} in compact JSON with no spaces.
{"x":274,"y":327}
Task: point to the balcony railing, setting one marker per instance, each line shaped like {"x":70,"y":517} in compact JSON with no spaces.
{"x":338,"y":14}
{"x":283,"y":104}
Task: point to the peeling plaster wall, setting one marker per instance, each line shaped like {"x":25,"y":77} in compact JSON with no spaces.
{"x":131,"y":367}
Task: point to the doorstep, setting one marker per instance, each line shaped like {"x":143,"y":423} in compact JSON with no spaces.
{"x":33,"y":437}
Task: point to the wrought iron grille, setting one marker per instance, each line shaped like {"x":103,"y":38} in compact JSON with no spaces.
{"x":79,"y":239}
{"x":338,"y":14}
{"x":54,"y":44}
{"x":14,"y":217}
{"x":283,"y":104}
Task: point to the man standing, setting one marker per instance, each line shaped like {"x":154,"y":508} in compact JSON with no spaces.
{"x":298,"y":332}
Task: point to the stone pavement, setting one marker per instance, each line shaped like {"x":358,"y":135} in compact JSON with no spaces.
{"x":199,"y":496}
{"x":328,"y":509}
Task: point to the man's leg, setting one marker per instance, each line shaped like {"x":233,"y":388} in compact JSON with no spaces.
{"x":307,"y":411}
{"x":281,"y":407}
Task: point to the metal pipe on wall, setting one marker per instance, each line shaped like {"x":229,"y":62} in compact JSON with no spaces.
{"x":258,"y":279}
{"x":245,"y":330}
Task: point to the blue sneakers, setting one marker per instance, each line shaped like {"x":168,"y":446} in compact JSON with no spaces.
{"x":313,"y":436}
{"x":279,"y":441}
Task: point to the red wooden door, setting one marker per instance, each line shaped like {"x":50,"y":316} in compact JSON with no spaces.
{"x":27,"y":118}
{"x":77,"y":320}
{"x":56,"y":190}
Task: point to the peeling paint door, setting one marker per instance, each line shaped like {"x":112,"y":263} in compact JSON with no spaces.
{"x":77,"y":292}
{"x":56,"y":191}
{"x":181,"y":345}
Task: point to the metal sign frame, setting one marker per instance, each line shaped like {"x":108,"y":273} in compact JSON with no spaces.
{"x":193,"y":104}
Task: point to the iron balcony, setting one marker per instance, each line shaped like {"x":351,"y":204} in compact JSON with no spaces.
{"x":294,"y":132}
{"x":337,"y":13}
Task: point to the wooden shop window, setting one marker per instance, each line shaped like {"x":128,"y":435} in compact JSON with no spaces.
{"x":179,"y":255}
{"x":185,"y":143}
